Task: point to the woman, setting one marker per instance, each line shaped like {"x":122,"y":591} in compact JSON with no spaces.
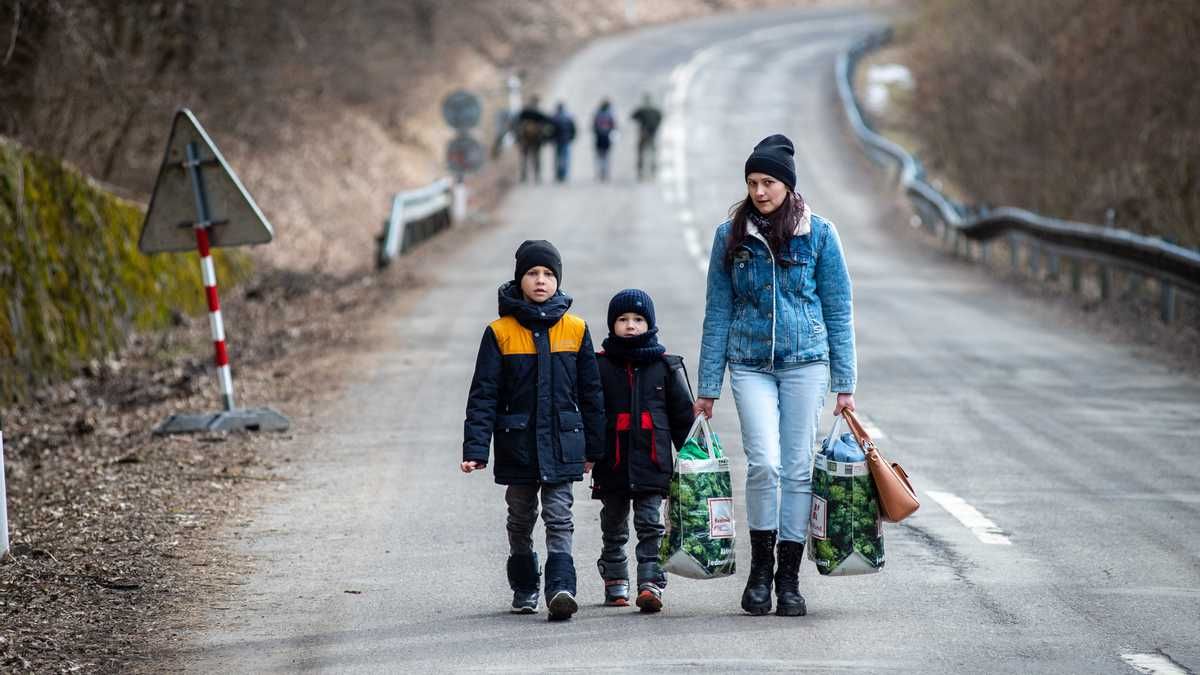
{"x":778,"y":313}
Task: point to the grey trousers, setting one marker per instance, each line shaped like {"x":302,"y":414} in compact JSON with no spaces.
{"x":614,"y":527}
{"x":557,"y":500}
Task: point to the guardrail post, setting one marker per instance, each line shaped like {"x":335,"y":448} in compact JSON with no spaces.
{"x":459,"y":210}
{"x":1106,"y":281}
{"x":1166,"y":304}
{"x":1133,"y":284}
{"x":1076,"y":274}
{"x":1053,"y":267}
{"x":1014,"y":252}
{"x":1035,"y":258}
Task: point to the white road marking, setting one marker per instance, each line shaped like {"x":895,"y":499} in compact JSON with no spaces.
{"x":1153,"y":664}
{"x":979,"y":525}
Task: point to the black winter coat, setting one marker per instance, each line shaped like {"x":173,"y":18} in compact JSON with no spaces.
{"x":648,"y":406}
{"x":535,"y":394}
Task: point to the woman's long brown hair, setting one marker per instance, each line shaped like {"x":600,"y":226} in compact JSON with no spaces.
{"x":781,"y":224}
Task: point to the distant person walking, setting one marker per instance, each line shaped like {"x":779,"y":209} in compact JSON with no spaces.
{"x":564,"y":134}
{"x":604,"y":129}
{"x":778,"y":313}
{"x":533,"y":128}
{"x":648,"y":118}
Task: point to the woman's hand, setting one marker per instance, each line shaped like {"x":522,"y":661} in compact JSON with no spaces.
{"x":468,"y":467}
{"x":844,"y":401}
{"x":703,"y":406}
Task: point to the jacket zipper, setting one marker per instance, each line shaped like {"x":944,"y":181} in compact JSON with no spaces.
{"x":774,"y":290}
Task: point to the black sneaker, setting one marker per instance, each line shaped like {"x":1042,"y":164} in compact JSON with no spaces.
{"x":562,"y":606}
{"x":525,"y":602}
{"x":616,"y":593}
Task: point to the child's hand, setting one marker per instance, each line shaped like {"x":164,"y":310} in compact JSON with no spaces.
{"x":468,"y":467}
{"x":587,"y":466}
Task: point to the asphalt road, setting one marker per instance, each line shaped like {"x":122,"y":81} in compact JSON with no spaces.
{"x":1058,"y":531}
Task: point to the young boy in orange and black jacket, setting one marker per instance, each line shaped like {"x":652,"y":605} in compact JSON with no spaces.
{"x":536,"y":395}
{"x":648,"y":406}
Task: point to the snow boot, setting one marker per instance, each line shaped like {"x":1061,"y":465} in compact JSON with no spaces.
{"x":616,"y":583}
{"x":651,"y":582}
{"x":523,"y":578}
{"x":787,"y":580}
{"x":560,"y":586}
{"x":756,"y":599}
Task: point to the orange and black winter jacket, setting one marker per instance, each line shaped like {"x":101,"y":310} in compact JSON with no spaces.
{"x":535,"y":394}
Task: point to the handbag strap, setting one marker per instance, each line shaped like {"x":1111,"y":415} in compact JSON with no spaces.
{"x":837,"y":422}
{"x":856,"y":428}
{"x":701,"y":425}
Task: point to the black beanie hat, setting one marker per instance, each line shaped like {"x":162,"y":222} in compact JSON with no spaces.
{"x":631,"y":300}
{"x":536,"y":252}
{"x":776,"y":157}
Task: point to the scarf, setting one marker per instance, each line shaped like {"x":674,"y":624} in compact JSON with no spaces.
{"x":638,"y":349}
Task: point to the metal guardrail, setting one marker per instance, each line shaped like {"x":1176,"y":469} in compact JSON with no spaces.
{"x":416,"y":216}
{"x":1045,"y":238}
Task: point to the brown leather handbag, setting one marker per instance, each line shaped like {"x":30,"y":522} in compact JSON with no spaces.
{"x":897,"y":499}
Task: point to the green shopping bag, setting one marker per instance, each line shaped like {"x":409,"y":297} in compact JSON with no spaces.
{"x":845,"y":537}
{"x":699,"y":539}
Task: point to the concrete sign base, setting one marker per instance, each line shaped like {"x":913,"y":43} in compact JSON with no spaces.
{"x":246,"y":419}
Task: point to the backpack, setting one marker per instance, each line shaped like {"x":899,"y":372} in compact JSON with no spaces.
{"x":604,"y":122}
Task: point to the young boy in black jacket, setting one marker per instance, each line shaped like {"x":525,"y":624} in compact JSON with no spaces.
{"x":536,"y":395}
{"x":648,"y":406}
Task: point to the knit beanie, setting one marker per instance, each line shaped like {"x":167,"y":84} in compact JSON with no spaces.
{"x":536,"y":252}
{"x":776,"y":157}
{"x":631,"y":300}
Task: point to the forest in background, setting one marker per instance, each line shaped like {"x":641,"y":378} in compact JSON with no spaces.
{"x":1079,"y":109}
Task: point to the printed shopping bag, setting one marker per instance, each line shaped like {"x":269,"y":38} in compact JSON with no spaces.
{"x":845,"y":536}
{"x":699,"y":539}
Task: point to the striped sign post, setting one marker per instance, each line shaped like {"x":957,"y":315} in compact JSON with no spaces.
{"x":3,"y":500}
{"x":205,"y":206}
{"x":208,"y":272}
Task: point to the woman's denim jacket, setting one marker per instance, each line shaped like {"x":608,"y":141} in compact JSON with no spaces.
{"x":767,"y":316}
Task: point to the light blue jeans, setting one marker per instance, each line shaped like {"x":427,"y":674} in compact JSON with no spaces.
{"x":779,"y":412}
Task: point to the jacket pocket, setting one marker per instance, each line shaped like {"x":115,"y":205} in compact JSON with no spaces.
{"x":744,"y":281}
{"x":572,"y":441}
{"x":509,"y":434}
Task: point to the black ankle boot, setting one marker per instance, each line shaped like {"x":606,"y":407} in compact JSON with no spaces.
{"x":756,"y":599}
{"x":787,"y":580}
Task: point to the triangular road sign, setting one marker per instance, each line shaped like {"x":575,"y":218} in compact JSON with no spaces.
{"x":235,"y":219}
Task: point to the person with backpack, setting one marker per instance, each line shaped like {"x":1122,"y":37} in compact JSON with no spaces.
{"x":604,"y":129}
{"x":648,"y":118}
{"x":533,"y":128}
{"x":647,"y":407}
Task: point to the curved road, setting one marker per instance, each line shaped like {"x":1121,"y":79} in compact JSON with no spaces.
{"x":1059,"y":530}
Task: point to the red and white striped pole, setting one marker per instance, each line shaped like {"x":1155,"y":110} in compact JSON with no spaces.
{"x":209,"y":272}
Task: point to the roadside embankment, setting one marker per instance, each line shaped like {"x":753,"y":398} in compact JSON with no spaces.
{"x":73,"y":284}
